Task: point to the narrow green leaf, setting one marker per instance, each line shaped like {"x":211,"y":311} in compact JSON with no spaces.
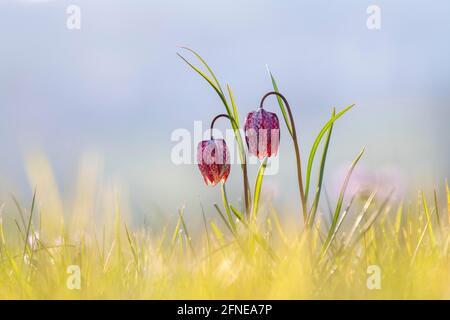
{"x":316,"y":145}
{"x":227,"y":206}
{"x":212,"y":84}
{"x":207,"y":67}
{"x":280,"y":103}
{"x":258,"y":184}
{"x":218,"y":233}
{"x":233,"y":104}
{"x":321,"y":171}
{"x":225,"y":221}
{"x":338,"y":226}
{"x":237,"y":213}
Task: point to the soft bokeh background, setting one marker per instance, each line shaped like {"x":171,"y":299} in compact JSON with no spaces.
{"x":111,"y":94}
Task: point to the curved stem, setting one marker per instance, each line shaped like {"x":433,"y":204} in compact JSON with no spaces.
{"x":214,"y":121}
{"x":297,"y":151}
{"x":243,"y":165}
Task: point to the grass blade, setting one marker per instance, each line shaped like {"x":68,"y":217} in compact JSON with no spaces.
{"x":227,"y":206}
{"x":338,"y":226}
{"x":219,"y":235}
{"x":280,"y":103}
{"x":398,"y":219}
{"x":233,"y":105}
{"x":258,"y":184}
{"x":208,"y":238}
{"x":30,"y":219}
{"x":316,"y":145}
{"x":133,"y":249}
{"x":176,"y":232}
{"x":359,"y":218}
{"x":238,"y":214}
{"x":321,"y":171}
{"x":427,"y":214}
{"x":212,"y":84}
{"x":448,"y":200}
{"x":206,"y":66}
{"x":186,"y":232}
{"x":340,"y":201}
{"x":436,"y":207}
{"x":227,"y":223}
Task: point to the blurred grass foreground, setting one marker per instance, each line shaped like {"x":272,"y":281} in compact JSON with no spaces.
{"x":86,"y":250}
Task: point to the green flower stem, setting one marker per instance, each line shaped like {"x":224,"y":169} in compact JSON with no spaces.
{"x":242,"y":158}
{"x":297,"y":151}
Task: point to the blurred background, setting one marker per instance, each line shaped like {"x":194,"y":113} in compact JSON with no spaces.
{"x":102,"y":102}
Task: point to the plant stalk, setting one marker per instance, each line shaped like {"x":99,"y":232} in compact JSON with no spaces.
{"x":243,"y":160}
{"x":297,"y":151}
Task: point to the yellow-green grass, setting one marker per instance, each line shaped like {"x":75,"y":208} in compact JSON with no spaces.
{"x":272,"y":258}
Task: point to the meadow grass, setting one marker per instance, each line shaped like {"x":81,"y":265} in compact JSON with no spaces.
{"x":267,"y":259}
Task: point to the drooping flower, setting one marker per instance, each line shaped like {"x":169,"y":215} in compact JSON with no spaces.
{"x":213,"y":160}
{"x":262,"y":133}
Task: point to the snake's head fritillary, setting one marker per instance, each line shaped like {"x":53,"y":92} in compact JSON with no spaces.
{"x":262,"y":133}
{"x":213,"y":160}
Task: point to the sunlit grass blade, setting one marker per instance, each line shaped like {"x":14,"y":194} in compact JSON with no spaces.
{"x":219,"y":235}
{"x":238,"y":214}
{"x":280,"y":103}
{"x":133,"y":249}
{"x":321,"y":171}
{"x":263,"y":243}
{"x":186,"y":232}
{"x":436,"y":208}
{"x":370,"y":222}
{"x":398,"y":219}
{"x":278,"y":227}
{"x":427,"y":214}
{"x":176,"y":232}
{"x":227,"y":206}
{"x":259,"y":180}
{"x":225,"y":220}
{"x":2,"y":234}
{"x":316,"y":145}
{"x":19,"y":210}
{"x":448,"y":200}
{"x":338,"y":226}
{"x":360,"y":218}
{"x":416,"y":250}
{"x":208,"y":238}
{"x":30,"y":219}
{"x":340,"y":201}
